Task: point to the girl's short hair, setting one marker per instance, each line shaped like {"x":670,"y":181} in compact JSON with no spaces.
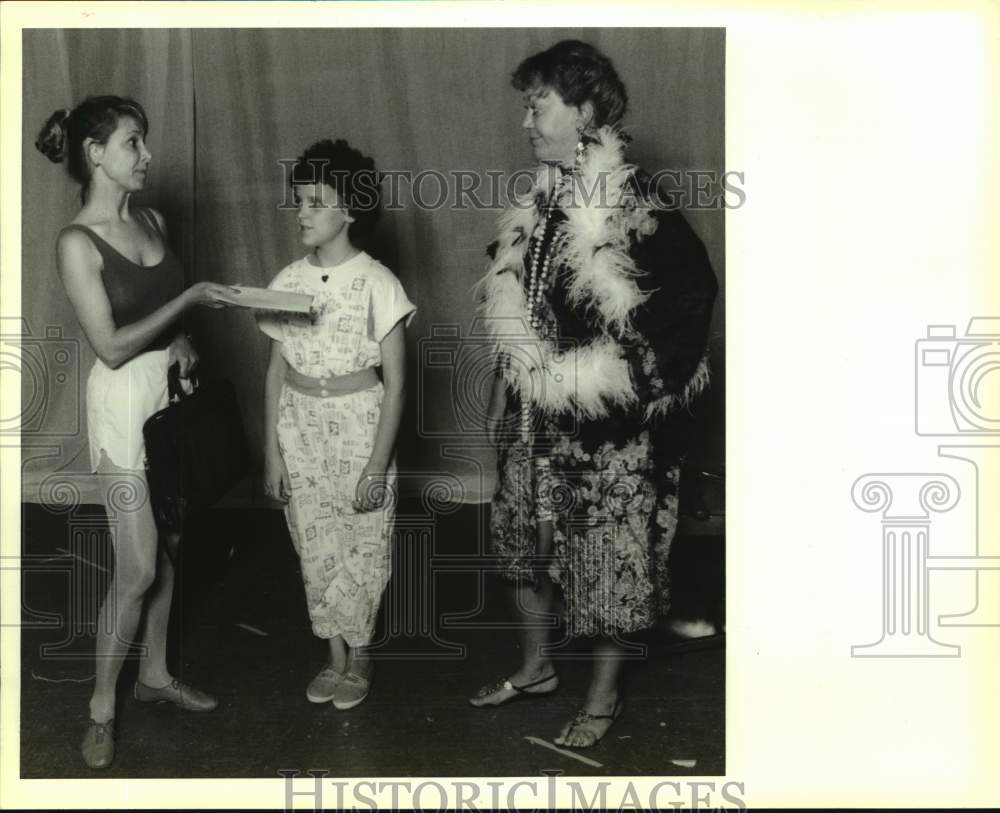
{"x":63,"y":135}
{"x":579,"y":73}
{"x":350,"y":173}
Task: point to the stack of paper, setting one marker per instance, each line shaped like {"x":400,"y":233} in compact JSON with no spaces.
{"x":263,"y":299}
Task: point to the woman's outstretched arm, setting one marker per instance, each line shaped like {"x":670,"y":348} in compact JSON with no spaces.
{"x":80,"y":270}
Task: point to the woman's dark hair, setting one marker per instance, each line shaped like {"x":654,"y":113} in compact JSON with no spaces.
{"x":97,"y":117}
{"x":351,"y":174}
{"x":579,"y":73}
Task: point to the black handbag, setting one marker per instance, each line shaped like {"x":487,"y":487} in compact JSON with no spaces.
{"x":196,"y":450}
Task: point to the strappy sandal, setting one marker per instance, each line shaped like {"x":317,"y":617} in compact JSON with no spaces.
{"x":584,"y":718}
{"x":519,"y":692}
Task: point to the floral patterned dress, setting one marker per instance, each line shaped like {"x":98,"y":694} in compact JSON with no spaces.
{"x":326,"y":442}
{"x":614,"y":459}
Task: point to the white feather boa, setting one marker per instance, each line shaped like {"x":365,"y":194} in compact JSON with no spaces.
{"x":597,"y":242}
{"x":595,"y":376}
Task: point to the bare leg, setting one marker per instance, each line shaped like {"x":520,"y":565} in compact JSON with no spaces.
{"x":339,"y":654}
{"x":359,"y":661}
{"x":134,"y":538}
{"x":532,"y":608}
{"x":603,"y":697}
{"x":533,"y":605}
{"x":155,"y":683}
{"x":153,"y":666}
{"x":353,"y":689}
{"x":322,"y":688}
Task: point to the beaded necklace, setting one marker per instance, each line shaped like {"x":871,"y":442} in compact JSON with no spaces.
{"x":538,"y":273}
{"x":545,"y":247}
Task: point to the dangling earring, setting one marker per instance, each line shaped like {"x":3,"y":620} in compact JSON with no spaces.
{"x":580,"y":147}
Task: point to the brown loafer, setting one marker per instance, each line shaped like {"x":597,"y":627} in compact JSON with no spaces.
{"x":98,"y":746}
{"x":180,"y":694}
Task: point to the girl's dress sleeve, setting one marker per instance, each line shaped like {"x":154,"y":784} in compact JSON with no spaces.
{"x":389,"y":304}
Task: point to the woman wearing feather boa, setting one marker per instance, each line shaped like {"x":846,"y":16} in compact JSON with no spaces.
{"x":599,"y":303}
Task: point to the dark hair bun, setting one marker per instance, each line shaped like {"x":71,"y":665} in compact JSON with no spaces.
{"x":51,"y":140}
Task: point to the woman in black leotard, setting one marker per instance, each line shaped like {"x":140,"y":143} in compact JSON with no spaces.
{"x":127,"y":290}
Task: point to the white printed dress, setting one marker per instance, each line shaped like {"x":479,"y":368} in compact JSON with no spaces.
{"x":325,"y":442}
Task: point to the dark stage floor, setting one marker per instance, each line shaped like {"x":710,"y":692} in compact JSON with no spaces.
{"x":241,"y":631}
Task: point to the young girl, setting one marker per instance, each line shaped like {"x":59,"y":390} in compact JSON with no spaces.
{"x":330,"y":423}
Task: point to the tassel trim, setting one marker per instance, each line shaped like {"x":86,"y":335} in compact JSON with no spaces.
{"x":697,"y":384}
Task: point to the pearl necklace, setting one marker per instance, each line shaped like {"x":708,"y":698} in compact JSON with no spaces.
{"x":546,"y":247}
{"x":548,"y":244}
{"x":538,"y":275}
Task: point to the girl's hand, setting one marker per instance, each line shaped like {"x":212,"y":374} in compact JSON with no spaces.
{"x":182,"y":351}
{"x":211,"y":295}
{"x":372,"y":491}
{"x":276,"y":483}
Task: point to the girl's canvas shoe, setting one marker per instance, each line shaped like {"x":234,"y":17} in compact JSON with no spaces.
{"x":323,"y":686}
{"x":351,"y":690}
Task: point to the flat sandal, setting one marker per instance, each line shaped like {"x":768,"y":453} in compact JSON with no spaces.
{"x":520,"y":692}
{"x":583,"y":717}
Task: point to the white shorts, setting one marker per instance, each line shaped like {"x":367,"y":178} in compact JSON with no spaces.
{"x":119,"y":402}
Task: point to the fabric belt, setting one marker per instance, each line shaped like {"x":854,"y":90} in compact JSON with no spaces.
{"x":331,"y":385}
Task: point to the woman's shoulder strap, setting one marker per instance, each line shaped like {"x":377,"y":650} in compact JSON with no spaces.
{"x":148,"y":217}
{"x":73,"y":238}
{"x":89,"y":233}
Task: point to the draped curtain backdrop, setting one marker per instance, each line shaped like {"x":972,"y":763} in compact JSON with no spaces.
{"x":226,"y":107}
